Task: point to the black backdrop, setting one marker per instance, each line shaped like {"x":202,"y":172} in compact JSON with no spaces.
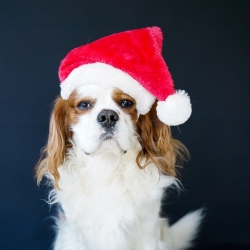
{"x":206,"y":46}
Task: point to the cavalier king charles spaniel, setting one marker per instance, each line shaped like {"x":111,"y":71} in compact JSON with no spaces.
{"x":110,"y":154}
{"x":109,"y":167}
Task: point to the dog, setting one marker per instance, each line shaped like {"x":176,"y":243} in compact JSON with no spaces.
{"x":109,"y":169}
{"x":108,"y":160}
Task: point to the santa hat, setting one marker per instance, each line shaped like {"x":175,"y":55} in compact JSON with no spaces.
{"x":131,"y":61}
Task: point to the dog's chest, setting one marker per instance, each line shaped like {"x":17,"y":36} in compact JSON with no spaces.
{"x":106,"y":200}
{"x":108,"y":193}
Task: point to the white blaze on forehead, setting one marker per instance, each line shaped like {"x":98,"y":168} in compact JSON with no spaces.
{"x":103,"y":96}
{"x":107,"y":76}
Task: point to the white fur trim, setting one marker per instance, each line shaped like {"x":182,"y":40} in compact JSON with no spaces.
{"x":176,"y":109}
{"x":107,"y":76}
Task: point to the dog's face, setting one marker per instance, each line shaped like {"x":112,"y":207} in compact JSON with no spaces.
{"x":102,"y":119}
{"x":105,"y":120}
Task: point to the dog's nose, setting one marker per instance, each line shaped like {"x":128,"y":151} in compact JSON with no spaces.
{"x":107,"y":118}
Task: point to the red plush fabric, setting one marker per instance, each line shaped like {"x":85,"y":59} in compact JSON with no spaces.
{"x":136,"y":52}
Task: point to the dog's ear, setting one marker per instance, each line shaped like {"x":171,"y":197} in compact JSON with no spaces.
{"x":58,"y":141}
{"x":158,"y":145}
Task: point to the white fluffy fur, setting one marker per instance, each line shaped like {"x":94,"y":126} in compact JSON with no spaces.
{"x":108,"y":203}
{"x":189,"y":222}
{"x":176,"y":109}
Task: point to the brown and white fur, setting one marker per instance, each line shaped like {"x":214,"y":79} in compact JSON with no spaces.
{"x":109,"y":167}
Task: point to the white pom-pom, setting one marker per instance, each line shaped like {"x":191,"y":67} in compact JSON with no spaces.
{"x":176,"y":109}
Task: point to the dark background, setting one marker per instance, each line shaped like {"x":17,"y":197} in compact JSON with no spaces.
{"x":206,"y":46}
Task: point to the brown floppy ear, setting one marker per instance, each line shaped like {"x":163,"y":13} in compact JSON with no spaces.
{"x":54,"y":152}
{"x":158,"y":145}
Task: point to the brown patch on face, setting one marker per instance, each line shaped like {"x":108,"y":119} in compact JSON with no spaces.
{"x":79,"y":106}
{"x":126,"y":103}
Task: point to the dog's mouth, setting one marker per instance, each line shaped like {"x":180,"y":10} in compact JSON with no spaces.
{"x":108,"y":135}
{"x":108,"y":141}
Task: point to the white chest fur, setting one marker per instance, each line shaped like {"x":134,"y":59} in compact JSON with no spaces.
{"x":109,"y":203}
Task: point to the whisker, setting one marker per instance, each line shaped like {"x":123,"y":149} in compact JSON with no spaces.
{"x":139,"y":137}
{"x":179,"y":129}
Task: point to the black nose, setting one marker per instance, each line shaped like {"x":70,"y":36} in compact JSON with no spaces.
{"x":107,"y":118}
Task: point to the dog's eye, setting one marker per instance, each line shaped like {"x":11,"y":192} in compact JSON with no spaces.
{"x":126,"y":104}
{"x":84,"y":105}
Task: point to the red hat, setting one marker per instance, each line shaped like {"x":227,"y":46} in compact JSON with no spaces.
{"x":131,"y":61}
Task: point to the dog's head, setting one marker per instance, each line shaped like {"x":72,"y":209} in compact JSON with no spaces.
{"x":108,"y":90}
{"x":102,"y":120}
